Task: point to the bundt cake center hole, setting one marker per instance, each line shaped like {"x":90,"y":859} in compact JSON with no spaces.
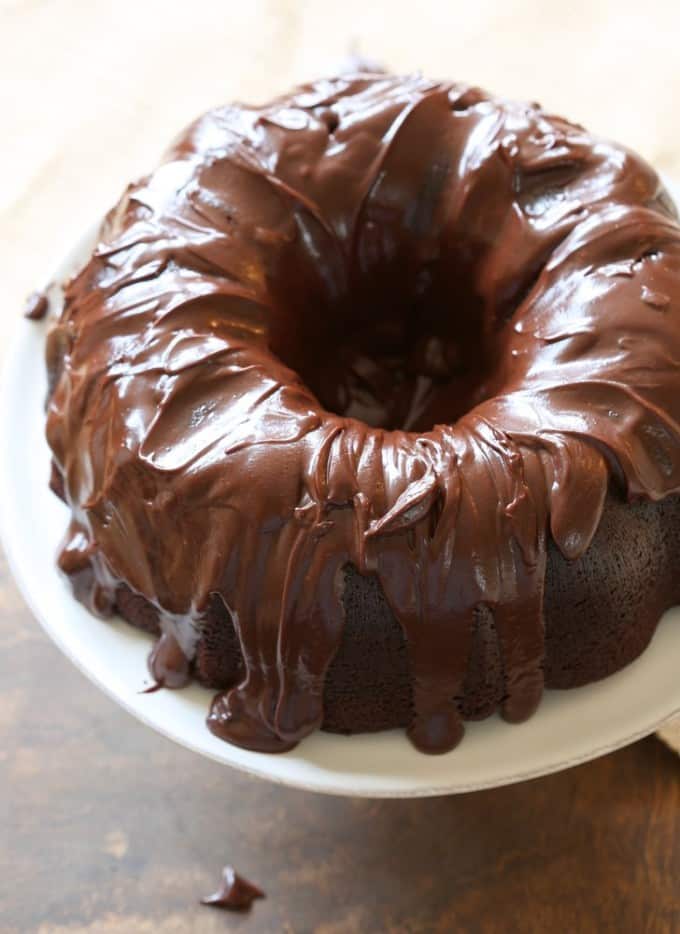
{"x":408,"y":368}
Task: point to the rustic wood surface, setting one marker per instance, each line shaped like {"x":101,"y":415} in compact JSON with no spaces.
{"x":108,"y":827}
{"x":105,"y":826}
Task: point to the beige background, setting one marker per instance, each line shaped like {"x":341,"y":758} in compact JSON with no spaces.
{"x":112,"y":828}
{"x":92,"y":90}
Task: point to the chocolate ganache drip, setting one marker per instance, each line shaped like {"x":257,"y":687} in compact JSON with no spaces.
{"x":382,"y":322}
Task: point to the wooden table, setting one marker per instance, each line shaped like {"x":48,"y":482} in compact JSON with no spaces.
{"x":108,"y":827}
{"x":105,"y":826}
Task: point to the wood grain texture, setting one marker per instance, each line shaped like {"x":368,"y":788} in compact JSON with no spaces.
{"x":110,"y":827}
{"x":107,"y":827}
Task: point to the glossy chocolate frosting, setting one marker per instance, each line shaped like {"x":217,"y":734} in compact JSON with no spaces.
{"x":382,"y":322}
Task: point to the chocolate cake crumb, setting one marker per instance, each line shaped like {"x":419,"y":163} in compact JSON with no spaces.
{"x":235,"y":893}
{"x":36,"y":307}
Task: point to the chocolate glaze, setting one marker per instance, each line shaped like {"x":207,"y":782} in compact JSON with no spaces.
{"x":235,"y":893}
{"x":36,"y":307}
{"x":382,"y":322}
{"x":168,"y":663}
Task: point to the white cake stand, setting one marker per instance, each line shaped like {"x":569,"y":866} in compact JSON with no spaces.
{"x":570,"y":726}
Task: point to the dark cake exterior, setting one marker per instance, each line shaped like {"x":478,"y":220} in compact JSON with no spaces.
{"x":366,"y":405}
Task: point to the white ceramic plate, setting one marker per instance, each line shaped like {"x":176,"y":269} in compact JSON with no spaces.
{"x":569,"y":727}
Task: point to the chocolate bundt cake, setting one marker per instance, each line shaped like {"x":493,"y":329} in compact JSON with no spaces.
{"x":367,"y":406}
